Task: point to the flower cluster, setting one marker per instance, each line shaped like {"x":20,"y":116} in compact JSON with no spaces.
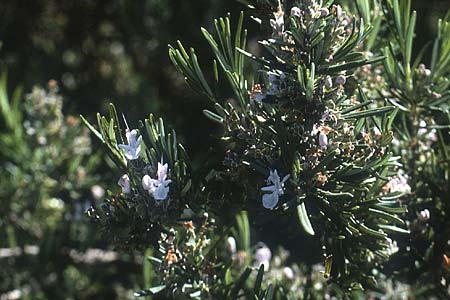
{"x":154,"y":185}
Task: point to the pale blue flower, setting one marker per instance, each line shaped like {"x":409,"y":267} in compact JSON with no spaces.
{"x":276,"y":189}
{"x":159,"y":187}
{"x":133,"y":149}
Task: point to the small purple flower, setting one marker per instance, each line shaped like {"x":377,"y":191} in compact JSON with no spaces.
{"x":323,"y":140}
{"x":340,"y":80}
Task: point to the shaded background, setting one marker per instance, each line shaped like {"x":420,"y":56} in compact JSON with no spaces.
{"x":103,"y":51}
{"x":116,"y":51}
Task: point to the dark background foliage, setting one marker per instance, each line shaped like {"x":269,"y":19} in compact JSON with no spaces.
{"x":112,"y":50}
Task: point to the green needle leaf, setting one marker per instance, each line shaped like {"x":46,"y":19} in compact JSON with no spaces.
{"x":304,"y":219}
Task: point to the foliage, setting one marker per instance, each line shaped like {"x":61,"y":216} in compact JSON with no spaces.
{"x":305,"y":146}
{"x":47,"y":181}
{"x":423,"y":96}
{"x":326,"y":177}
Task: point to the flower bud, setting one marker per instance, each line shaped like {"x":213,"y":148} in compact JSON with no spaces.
{"x":124,"y":183}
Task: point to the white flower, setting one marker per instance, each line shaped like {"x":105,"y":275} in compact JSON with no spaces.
{"x":392,"y":247}
{"x":296,"y":12}
{"x":429,"y":135}
{"x":422,"y":128}
{"x":424,"y":215}
{"x":276,"y":189}
{"x":263,"y":256}
{"x":158,"y":188}
{"x":231,"y":245}
{"x":133,"y":149}
{"x":97,"y":191}
{"x":124,"y":183}
{"x":328,"y":82}
{"x":288,"y":273}
{"x":376,"y":132}
{"x":315,"y":129}
{"x":398,"y":184}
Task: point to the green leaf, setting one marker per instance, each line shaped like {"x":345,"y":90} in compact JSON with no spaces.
{"x":269,"y":293}
{"x":394,"y":229}
{"x":92,"y":129}
{"x":151,"y":291}
{"x":240,"y":282}
{"x":304,"y":219}
{"x":368,"y":113}
{"x":258,"y":280}
{"x":310,"y":83}
{"x":212,"y":116}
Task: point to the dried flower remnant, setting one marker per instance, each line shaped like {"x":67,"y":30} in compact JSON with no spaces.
{"x":323,"y":132}
{"x":171,"y":257}
{"x":257,"y":93}
{"x":321,"y":178}
{"x":276,"y":188}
